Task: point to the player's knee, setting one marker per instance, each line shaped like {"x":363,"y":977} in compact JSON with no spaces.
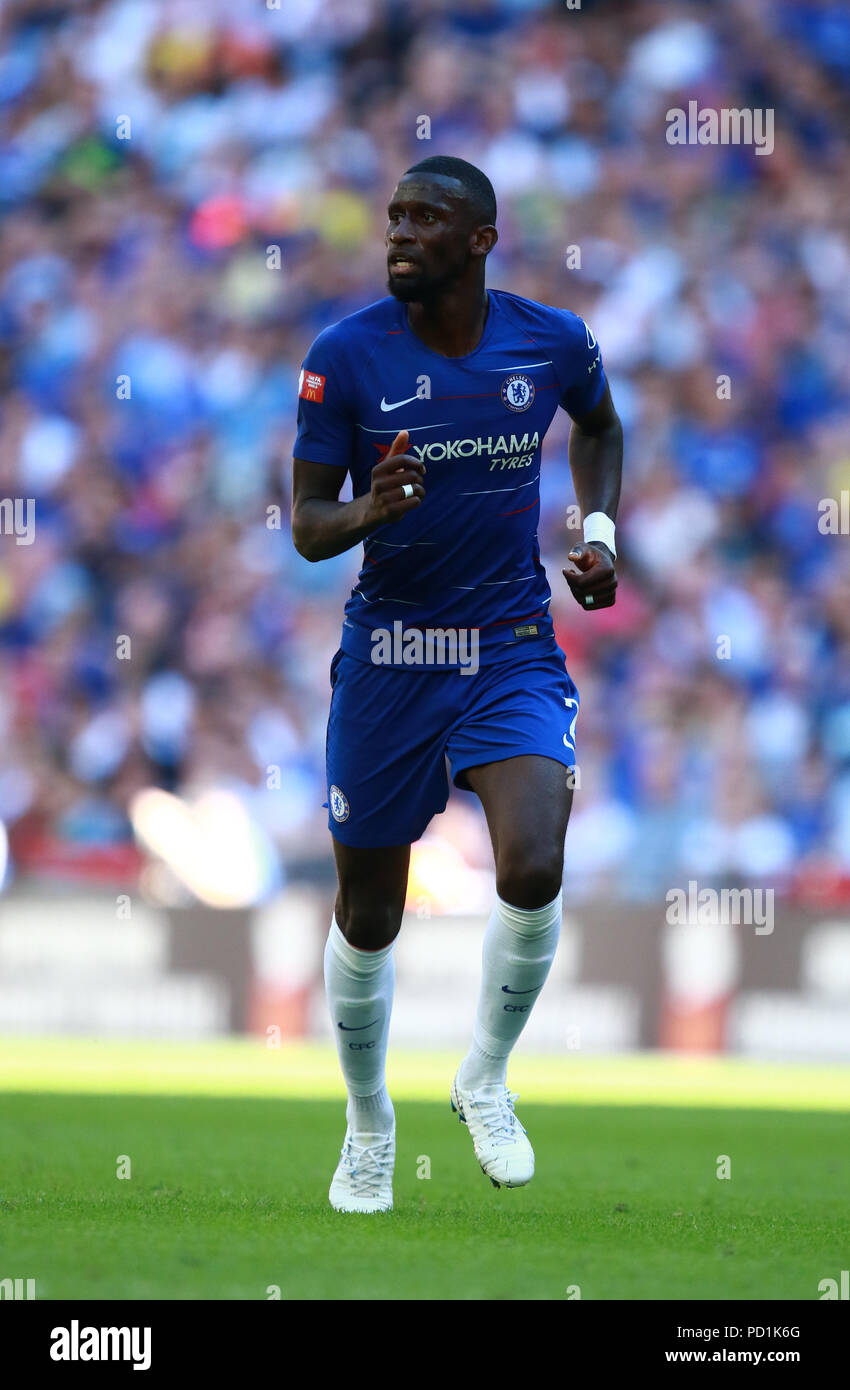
{"x":369,"y":926}
{"x":529,"y":878}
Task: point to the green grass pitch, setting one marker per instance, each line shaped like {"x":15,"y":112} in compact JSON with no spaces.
{"x":228,"y":1190}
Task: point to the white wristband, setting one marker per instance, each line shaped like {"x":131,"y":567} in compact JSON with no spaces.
{"x":599,"y":527}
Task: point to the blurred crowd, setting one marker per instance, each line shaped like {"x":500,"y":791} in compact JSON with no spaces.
{"x":191,"y":190}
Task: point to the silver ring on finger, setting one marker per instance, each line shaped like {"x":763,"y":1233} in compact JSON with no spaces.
{"x":588,"y":600}
{"x":407,"y":490}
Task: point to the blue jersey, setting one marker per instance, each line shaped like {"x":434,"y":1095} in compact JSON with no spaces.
{"x":468,"y":556}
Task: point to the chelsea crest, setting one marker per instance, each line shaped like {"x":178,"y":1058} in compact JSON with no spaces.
{"x":518,"y":391}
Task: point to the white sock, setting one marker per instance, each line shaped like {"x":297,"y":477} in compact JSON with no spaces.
{"x":519,"y":947}
{"x":359,"y":988}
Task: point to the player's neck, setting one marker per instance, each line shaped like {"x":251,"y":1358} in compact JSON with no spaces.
{"x":452,"y":325}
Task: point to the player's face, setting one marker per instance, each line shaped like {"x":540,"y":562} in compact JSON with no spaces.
{"x":428,"y":237}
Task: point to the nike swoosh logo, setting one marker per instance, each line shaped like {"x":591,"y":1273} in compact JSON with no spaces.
{"x":361,"y":1028}
{"x":505,"y":990}
{"x":396,"y":404}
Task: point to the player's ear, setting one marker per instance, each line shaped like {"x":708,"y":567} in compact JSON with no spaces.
{"x":483,"y":240}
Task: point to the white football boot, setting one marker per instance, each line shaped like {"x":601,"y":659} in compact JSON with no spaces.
{"x":363,"y":1180}
{"x":500,"y":1142}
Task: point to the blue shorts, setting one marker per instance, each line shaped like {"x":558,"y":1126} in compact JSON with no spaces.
{"x":390,"y":731}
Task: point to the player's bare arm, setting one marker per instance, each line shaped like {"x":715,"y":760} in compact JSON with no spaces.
{"x":596,"y":462}
{"x":323,"y":526}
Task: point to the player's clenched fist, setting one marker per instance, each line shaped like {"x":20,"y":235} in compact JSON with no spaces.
{"x":396,"y":483}
{"x":592,"y":577}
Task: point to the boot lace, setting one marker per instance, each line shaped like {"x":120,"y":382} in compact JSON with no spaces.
{"x":368,"y":1165}
{"x":496,"y":1113}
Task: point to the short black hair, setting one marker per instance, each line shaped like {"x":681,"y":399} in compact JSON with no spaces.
{"x":476,"y":185}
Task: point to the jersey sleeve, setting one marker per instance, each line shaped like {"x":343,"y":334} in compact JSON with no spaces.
{"x":325,"y":407}
{"x":579,"y":365}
